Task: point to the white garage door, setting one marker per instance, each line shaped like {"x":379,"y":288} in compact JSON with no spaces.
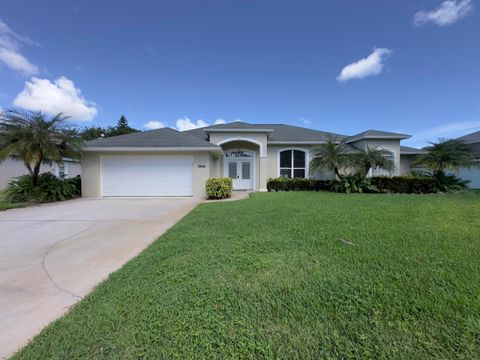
{"x":146,"y":176}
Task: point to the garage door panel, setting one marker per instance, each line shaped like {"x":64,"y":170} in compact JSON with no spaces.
{"x":147,"y":176}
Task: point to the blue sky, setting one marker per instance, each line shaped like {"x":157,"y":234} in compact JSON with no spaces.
{"x":159,"y":62}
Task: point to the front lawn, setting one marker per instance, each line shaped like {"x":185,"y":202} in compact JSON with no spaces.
{"x":269,"y":278}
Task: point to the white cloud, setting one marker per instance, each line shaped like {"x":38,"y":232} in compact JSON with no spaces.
{"x":448,"y":131}
{"x":446,"y":13}
{"x":10,"y":43}
{"x":220,"y":121}
{"x":371,"y":65}
{"x":187,"y":124}
{"x":61,"y":95}
{"x":154,"y":124}
{"x":305,"y":120}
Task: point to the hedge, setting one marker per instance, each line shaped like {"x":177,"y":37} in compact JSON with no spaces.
{"x":219,"y":188}
{"x":297,"y":184}
{"x":405,"y":184}
{"x":397,"y":184}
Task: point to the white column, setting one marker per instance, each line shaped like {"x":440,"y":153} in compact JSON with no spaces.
{"x":263,"y":173}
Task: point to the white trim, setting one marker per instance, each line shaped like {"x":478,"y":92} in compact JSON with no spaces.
{"x":154,"y":149}
{"x":239,"y":130}
{"x":307,"y":160}
{"x":242,"y":138}
{"x":101,"y":157}
{"x":254,"y":166}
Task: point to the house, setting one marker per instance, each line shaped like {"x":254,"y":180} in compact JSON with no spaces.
{"x":13,"y":167}
{"x":166,"y":162}
{"x":472,"y":174}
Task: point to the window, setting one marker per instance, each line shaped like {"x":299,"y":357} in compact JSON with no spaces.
{"x":62,"y":170}
{"x":293,"y":163}
{"x":378,"y":171}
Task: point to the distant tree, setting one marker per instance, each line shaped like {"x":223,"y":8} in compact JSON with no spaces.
{"x":92,"y":132}
{"x":36,"y":139}
{"x":121,"y":128}
{"x":446,"y":155}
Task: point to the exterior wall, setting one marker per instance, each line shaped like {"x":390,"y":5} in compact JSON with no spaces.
{"x":473,"y":175}
{"x":405,"y":164}
{"x":384,"y":144}
{"x":91,"y":169}
{"x":12,"y":168}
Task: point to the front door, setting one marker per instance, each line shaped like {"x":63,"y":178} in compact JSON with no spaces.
{"x":238,"y":166}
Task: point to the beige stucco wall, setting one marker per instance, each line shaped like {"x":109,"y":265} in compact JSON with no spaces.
{"x":91,"y":169}
{"x":12,"y":168}
{"x":405,"y":164}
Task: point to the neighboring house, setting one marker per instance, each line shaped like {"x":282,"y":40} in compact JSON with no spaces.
{"x":14,"y":167}
{"x":166,"y":162}
{"x":473,"y":174}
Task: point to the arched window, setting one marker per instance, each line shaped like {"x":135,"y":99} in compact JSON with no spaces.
{"x":378,"y":171}
{"x":293,"y":163}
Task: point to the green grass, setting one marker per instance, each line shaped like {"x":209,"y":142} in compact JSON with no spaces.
{"x":5,"y":205}
{"x":268,"y":278}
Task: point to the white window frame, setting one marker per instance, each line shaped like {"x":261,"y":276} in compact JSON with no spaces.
{"x":292,"y":168}
{"x":65,"y":170}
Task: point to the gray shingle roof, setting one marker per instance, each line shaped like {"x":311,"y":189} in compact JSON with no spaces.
{"x":406,"y":150}
{"x":470,"y":138}
{"x":377,"y":134}
{"x":165,"y":137}
{"x":280,"y":133}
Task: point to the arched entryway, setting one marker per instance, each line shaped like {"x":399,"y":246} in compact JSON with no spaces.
{"x":239,"y":165}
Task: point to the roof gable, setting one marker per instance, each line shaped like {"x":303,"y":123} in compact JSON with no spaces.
{"x":377,"y":134}
{"x":470,"y":138}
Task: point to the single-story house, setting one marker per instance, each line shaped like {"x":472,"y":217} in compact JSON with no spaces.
{"x":166,"y":162}
{"x":13,"y":167}
{"x":472,"y":174}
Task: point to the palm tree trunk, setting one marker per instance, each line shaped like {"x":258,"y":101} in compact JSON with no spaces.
{"x":337,"y":173}
{"x":36,"y":172}
{"x":29,"y":168}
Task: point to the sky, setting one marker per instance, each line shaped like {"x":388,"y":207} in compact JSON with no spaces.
{"x":409,"y":66}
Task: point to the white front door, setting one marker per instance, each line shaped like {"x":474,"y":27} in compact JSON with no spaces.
{"x":239,"y":167}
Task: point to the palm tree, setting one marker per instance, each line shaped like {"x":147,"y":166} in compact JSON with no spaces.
{"x":332,"y":155}
{"x":36,"y":139}
{"x":364,"y":160}
{"x":446,"y":155}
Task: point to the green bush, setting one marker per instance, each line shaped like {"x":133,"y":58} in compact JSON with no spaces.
{"x":450,"y":183}
{"x":405,"y":184}
{"x":219,"y":188}
{"x":49,"y":188}
{"x":358,"y":184}
{"x":353,"y":184}
{"x":297,"y":184}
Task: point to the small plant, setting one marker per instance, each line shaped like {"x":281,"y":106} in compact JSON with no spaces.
{"x":49,"y":188}
{"x":450,"y":183}
{"x":354,"y":184}
{"x":219,"y":188}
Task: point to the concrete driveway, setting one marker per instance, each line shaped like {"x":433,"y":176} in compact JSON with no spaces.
{"x":53,"y":255}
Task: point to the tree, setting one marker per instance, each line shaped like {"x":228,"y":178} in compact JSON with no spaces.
{"x":332,"y":155}
{"x":121,"y":128}
{"x":364,"y":160}
{"x":36,"y":139}
{"x":92,"y":133}
{"x":446,"y":155}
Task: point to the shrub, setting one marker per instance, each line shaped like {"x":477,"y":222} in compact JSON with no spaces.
{"x":49,"y":188}
{"x":297,"y":184}
{"x":405,"y":184}
{"x":219,"y":188}
{"x":353,"y":184}
{"x":449,"y":182}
